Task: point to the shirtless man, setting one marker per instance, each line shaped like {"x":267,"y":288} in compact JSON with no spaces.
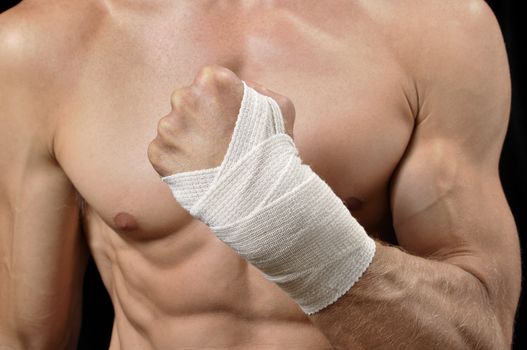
{"x":401,"y":107}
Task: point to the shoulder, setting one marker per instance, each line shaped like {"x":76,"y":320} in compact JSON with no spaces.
{"x":454,"y":52}
{"x":39,"y":41}
{"x":438,"y":31}
{"x":454,"y":31}
{"x":459,"y":64}
{"x":41,"y":36}
{"x":443,"y":41}
{"x":429,"y":17}
{"x":462,"y":68}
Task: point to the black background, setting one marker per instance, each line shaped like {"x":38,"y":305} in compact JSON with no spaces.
{"x":98,"y":313}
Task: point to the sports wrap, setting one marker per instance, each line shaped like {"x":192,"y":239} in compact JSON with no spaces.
{"x":276,"y":212}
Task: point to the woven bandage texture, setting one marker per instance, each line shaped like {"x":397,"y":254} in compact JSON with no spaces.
{"x":276,"y":212}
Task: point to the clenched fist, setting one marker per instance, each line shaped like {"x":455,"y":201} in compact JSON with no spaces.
{"x":196,"y":133}
{"x":259,"y":199}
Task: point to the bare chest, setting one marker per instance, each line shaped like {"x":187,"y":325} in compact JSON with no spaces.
{"x":352,"y":126}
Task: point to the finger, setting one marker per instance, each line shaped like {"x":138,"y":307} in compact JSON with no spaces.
{"x":286,"y":106}
{"x":183,"y":99}
{"x":215,"y":76}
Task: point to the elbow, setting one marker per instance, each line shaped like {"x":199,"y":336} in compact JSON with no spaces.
{"x":486,"y":339}
{"x":486,"y":322}
{"x":477,"y":331}
{"x":488,"y":329}
{"x":496,"y":302}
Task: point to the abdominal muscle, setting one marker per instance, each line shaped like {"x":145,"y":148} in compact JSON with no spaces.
{"x":190,"y":291}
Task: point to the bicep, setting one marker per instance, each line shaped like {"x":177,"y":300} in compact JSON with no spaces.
{"x":445,"y":204}
{"x":451,"y":209}
{"x":446,"y":196}
{"x":42,"y":253}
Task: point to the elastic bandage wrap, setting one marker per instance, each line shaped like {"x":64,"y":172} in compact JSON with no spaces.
{"x":276,"y":212}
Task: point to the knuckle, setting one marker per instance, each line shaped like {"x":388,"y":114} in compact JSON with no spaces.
{"x":215,"y":75}
{"x":181,"y":97}
{"x":153,"y":151}
{"x":164,"y":125}
{"x":206,"y":74}
{"x":167,"y":129}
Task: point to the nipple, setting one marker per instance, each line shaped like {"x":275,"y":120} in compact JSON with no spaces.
{"x":353,"y":203}
{"x":125,"y":222}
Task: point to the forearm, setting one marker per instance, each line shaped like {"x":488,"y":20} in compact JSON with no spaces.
{"x":275,"y":212}
{"x":403,"y":301}
{"x":34,"y":336}
{"x":36,"y":317}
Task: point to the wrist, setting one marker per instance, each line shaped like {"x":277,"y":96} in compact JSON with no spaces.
{"x":276,"y":212}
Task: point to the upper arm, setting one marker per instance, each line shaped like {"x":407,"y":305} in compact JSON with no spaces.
{"x":447,"y":199}
{"x":41,"y":251}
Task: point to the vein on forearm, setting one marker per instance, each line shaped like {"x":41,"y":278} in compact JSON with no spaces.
{"x":405,"y":301}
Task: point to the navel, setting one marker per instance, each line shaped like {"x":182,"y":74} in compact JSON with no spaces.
{"x":125,"y":222}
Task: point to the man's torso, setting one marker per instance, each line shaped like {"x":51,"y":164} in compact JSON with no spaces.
{"x":172,"y":283}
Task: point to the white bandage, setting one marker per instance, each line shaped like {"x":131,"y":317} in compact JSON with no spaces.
{"x":276,"y":212}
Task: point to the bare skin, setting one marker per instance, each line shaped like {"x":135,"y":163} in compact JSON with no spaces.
{"x":405,"y":126}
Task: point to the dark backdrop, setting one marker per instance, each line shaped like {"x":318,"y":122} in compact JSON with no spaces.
{"x":98,"y":313}
{"x":513,"y":164}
